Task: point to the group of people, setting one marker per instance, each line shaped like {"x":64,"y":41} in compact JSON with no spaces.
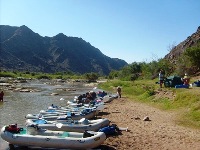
{"x":89,"y":97}
{"x":161,"y":77}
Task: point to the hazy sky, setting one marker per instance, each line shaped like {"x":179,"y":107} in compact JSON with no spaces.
{"x":132,"y":30}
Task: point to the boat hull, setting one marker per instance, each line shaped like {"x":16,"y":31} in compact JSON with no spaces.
{"x":56,"y":117}
{"x":73,"y":140}
{"x":93,"y":125}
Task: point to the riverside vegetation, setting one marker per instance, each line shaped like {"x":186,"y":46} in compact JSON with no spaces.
{"x":39,"y":75}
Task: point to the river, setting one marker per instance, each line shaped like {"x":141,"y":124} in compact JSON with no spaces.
{"x":17,"y":105}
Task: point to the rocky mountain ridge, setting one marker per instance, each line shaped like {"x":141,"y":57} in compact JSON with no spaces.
{"x":177,"y":50}
{"x":24,"y":50}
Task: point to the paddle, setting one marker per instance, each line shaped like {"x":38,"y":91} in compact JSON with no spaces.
{"x":123,"y":129}
{"x":100,"y":107}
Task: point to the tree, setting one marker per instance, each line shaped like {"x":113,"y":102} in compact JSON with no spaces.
{"x":113,"y":74}
{"x":194,"y":55}
{"x":91,"y":76}
{"x":130,"y":72}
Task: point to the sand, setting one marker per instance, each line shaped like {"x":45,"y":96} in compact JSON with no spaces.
{"x":159,"y":133}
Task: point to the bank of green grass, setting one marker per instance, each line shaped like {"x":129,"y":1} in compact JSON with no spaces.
{"x":186,"y":102}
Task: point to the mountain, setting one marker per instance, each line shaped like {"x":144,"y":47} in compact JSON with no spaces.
{"x":24,"y":50}
{"x":176,"y":51}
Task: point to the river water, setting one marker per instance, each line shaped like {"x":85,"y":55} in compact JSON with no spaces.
{"x":17,"y":105}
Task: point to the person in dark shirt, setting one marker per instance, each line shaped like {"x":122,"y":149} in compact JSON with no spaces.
{"x":1,"y":96}
{"x":161,"y":78}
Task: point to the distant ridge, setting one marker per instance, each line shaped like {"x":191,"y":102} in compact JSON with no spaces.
{"x":24,"y":50}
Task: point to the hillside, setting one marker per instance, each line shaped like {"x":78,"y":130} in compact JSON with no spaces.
{"x":177,"y":50}
{"x":24,"y":50}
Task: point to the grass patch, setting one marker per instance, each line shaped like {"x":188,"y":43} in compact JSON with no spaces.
{"x":39,"y":75}
{"x":185,"y":101}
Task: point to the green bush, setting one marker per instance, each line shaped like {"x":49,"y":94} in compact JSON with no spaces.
{"x":194,"y":54}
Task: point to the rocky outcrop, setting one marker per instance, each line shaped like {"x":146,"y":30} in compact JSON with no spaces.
{"x":180,"y":48}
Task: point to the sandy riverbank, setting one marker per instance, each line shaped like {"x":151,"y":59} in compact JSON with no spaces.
{"x":160,"y":133}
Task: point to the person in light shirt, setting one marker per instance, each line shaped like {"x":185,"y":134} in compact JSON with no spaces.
{"x":119,"y":91}
{"x":186,"y":79}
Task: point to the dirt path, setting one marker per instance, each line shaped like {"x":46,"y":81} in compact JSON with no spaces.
{"x":161,"y":133}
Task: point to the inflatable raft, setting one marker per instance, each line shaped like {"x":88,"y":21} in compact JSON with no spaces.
{"x":70,"y":125}
{"x":86,"y":113}
{"x":34,"y":136}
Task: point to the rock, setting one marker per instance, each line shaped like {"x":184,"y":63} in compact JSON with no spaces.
{"x":137,"y":118}
{"x":146,"y":119}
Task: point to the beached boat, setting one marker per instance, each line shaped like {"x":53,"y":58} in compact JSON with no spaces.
{"x":86,"y":113}
{"x":60,"y":111}
{"x":64,"y":110}
{"x":70,"y":125}
{"x":34,"y":136}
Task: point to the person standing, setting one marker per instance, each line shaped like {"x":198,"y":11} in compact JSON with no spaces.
{"x":161,"y":78}
{"x":1,"y":96}
{"x":186,"y":79}
{"x":119,"y":91}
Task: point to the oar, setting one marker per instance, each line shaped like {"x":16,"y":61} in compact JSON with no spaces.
{"x":123,"y":129}
{"x":100,"y":107}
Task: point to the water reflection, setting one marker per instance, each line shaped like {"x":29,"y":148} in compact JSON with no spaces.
{"x":18,"y":104}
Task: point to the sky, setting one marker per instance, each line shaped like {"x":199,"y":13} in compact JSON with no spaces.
{"x":132,"y":30}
